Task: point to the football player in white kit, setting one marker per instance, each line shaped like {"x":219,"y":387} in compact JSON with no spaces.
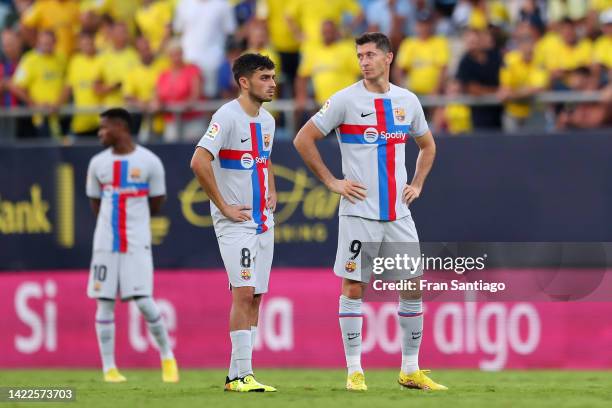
{"x":125,"y":184}
{"x":232,"y":163}
{"x":372,"y":120}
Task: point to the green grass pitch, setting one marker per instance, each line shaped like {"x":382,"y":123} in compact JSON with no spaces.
{"x":324,"y":388}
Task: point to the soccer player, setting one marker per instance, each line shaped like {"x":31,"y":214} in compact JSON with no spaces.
{"x":372,"y":120}
{"x":126,"y":184}
{"x":232,"y":163}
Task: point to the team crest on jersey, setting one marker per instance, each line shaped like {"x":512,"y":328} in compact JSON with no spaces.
{"x":267,"y":139}
{"x":400,"y":114}
{"x":135,"y":173}
{"x":97,"y":286}
{"x":213,"y":131}
{"x":245,"y":274}
{"x":350,"y":266}
{"x":324,"y":108}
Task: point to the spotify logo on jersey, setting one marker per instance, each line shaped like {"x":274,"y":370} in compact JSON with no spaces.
{"x":370,"y":135}
{"x":247,"y":161}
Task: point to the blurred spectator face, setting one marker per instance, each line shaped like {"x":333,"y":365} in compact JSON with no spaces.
{"x":607,"y":29}
{"x":262,"y":85}
{"x":11,"y":45}
{"x":87,"y":44}
{"x":121,"y":35}
{"x":258,"y":35}
{"x":175,"y":53}
{"x":472,"y":41}
{"x":525,"y":38}
{"x":329,"y":32}
{"x":579,"y":79}
{"x":45,"y":42}
{"x":90,"y":21}
{"x":22,"y":5}
{"x":144,"y":50}
{"x":424,"y":29}
{"x":568,"y":32}
{"x":453,"y":88}
{"x":373,"y":62}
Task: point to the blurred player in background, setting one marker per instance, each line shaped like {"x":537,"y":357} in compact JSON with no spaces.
{"x":372,"y":120}
{"x":232,"y":163}
{"x":126,"y":184}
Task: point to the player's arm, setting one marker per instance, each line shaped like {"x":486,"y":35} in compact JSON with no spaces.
{"x":94,"y":203}
{"x":272,"y":197}
{"x":201,"y":164}
{"x":305,"y":143}
{"x":156,"y":203}
{"x":427,"y":153}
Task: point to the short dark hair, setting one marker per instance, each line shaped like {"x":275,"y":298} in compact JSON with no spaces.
{"x":247,"y":64}
{"x":118,"y":114}
{"x":382,"y":41}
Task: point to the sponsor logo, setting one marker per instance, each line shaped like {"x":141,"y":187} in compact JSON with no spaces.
{"x":416,"y":335}
{"x":400,"y":114}
{"x":363,"y":115}
{"x":244,"y":140}
{"x":267,"y":139}
{"x":324,"y":108}
{"x":213,"y":131}
{"x":350,"y":266}
{"x":370,"y":135}
{"x":353,"y":336}
{"x":247,"y":160}
{"x":245,"y":274}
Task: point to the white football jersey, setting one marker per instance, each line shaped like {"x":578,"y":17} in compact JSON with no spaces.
{"x":124,"y":184}
{"x":241,"y":146}
{"x":372,"y":129}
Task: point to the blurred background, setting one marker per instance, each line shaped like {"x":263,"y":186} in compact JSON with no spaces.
{"x":517,"y":94}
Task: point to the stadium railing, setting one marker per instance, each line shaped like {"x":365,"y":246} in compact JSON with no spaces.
{"x":8,"y":117}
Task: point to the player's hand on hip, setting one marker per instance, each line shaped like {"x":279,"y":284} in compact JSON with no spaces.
{"x":410,"y":193}
{"x":271,"y":202}
{"x":351,"y":190}
{"x":237,"y":213}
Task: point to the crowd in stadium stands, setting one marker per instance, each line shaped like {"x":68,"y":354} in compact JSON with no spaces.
{"x":156,"y":55}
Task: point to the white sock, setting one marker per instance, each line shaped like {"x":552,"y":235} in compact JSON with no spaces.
{"x":410,"y":314}
{"x":351,"y":322}
{"x":233,"y":369}
{"x":105,"y":331}
{"x":156,"y":326}
{"x":241,"y":351}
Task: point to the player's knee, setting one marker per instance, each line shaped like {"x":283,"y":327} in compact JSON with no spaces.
{"x":243,"y":296}
{"x":412,"y":294}
{"x":352,"y":289}
{"x":148,"y":308}
{"x":105,"y":310}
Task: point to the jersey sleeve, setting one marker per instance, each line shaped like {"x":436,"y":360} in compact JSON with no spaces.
{"x":92,"y":188}
{"x":418,"y":125}
{"x":216,"y":134}
{"x":157,"y":178}
{"x":330,"y":116}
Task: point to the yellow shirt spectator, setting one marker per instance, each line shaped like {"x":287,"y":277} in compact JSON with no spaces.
{"x":113,"y":68}
{"x":310,"y":15}
{"x":281,"y":35}
{"x":61,"y":17}
{"x":81,"y":77}
{"x":518,"y":73}
{"x":119,"y":10}
{"x":601,"y":5}
{"x":140,"y":82}
{"x":331,"y":68}
{"x":458,"y":118}
{"x":42,"y":76}
{"x":152,"y":21}
{"x":423,"y":60}
{"x":546,"y":47}
{"x":602,"y":53}
{"x":566,"y":57}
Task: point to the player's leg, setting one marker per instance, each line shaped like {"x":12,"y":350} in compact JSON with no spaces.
{"x":136,"y":282}
{"x":352,"y":233}
{"x":410,"y":307}
{"x":102,"y":286}
{"x":238,"y":252}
